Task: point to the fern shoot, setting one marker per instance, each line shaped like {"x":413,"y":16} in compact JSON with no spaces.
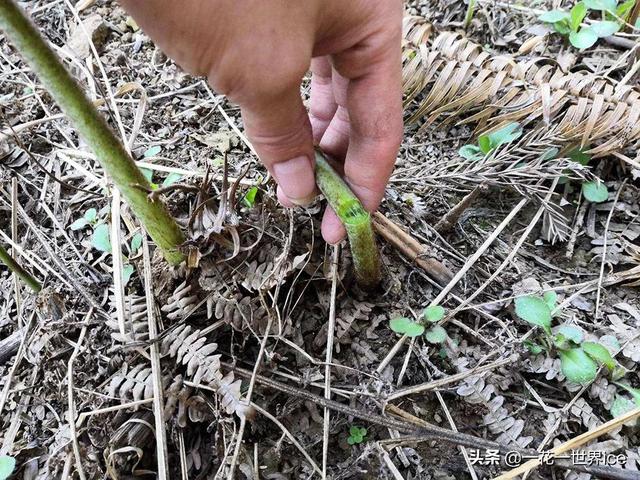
{"x":356,"y":220}
{"x":86,"y":119}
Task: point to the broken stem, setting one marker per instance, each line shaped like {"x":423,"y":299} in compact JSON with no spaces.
{"x":356,"y":220}
{"x":18,"y":270}
{"x":109,"y":151}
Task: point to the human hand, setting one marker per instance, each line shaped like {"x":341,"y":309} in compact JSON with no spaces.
{"x":257,"y":51}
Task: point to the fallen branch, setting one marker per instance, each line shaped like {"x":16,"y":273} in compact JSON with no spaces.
{"x":411,"y":248}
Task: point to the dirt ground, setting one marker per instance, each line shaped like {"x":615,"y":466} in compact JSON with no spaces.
{"x":78,"y":386}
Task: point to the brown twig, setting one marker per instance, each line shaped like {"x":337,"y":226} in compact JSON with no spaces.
{"x":447,"y":222}
{"x":411,"y":248}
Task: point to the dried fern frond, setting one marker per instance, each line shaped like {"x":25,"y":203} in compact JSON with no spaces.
{"x":455,"y":80}
{"x":135,"y":320}
{"x":192,"y":349}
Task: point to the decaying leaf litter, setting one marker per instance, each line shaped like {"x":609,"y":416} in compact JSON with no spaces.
{"x":522,"y":229}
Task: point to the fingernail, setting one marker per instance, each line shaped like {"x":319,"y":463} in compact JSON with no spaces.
{"x":296,"y":179}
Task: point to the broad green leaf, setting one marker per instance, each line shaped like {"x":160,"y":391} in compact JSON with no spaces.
{"x":609,"y":5}
{"x":535,"y":311}
{"x":506,"y":134}
{"x":171,"y":179}
{"x":79,"y":224}
{"x":484,"y":142}
{"x":470,"y":152}
{"x":621,"y":405}
{"x":127,"y":271}
{"x":136,"y":242}
{"x":633,"y":391}
{"x":577,"y":366}
{"x":153,"y":151}
{"x":600,"y":354}
{"x":436,"y":335}
{"x":623,"y":9}
{"x":605,"y":28}
{"x":433,"y":314}
{"x":550,"y":298}
{"x":249,"y":198}
{"x":406,"y":326}
{"x":610,"y":342}
{"x":7,"y":466}
{"x":584,"y":38}
{"x":571,"y":333}
{"x":578,"y":12}
{"x":91,"y":215}
{"x":595,"y":192}
{"x":100,"y":239}
{"x":554,"y":16}
{"x":579,"y":156}
{"x":148,"y":174}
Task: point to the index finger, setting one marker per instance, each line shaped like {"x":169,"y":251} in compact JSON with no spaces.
{"x":374,"y":102}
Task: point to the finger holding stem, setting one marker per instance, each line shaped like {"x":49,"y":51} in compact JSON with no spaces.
{"x":356,"y":220}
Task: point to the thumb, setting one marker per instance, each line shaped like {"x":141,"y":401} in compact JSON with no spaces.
{"x":278,"y":127}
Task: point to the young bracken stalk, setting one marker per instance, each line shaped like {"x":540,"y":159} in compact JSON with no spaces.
{"x":18,"y":270}
{"x":92,"y":127}
{"x":356,"y":220}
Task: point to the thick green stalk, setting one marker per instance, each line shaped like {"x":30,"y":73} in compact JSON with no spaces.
{"x":356,"y":220}
{"x":110,"y":152}
{"x":18,"y":270}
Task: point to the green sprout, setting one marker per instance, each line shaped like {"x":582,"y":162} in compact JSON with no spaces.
{"x":356,"y":435}
{"x":432,"y":314}
{"x":489,"y":142}
{"x":579,"y":359}
{"x":357,"y":221}
{"x":569,"y":23}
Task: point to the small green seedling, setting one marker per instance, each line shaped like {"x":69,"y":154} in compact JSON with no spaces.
{"x":249,"y":199}
{"x":7,"y":466}
{"x":356,"y":435}
{"x":489,"y":142}
{"x":433,"y":314}
{"x":101,"y":239}
{"x":579,"y":359}
{"x":90,"y":217}
{"x":436,"y":334}
{"x":569,"y":23}
{"x":406,"y":326}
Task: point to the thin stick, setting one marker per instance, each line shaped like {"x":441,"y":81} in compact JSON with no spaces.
{"x":156,"y":369}
{"x":329,"y":358}
{"x":604,"y":248}
{"x":92,"y":127}
{"x":447,"y":222}
{"x":18,"y":270}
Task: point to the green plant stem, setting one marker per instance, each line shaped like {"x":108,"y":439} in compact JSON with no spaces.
{"x":109,"y":151}
{"x":18,"y":270}
{"x":469,"y":15}
{"x":356,"y":220}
